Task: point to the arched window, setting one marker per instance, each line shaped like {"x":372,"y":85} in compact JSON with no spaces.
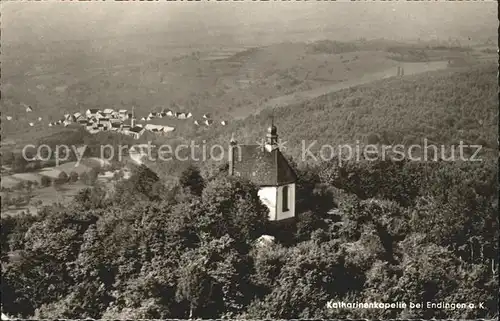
{"x":284,"y":198}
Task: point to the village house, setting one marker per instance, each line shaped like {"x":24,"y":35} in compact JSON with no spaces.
{"x":150,"y":127}
{"x":123,"y":114}
{"x":115,"y":126}
{"x":267,"y":168}
{"x":135,"y":132}
{"x":92,"y":112}
{"x":105,"y":122}
{"x":168,"y":129}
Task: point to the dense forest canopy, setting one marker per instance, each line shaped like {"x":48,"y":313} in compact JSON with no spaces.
{"x":148,"y":252}
{"x":366,"y":231}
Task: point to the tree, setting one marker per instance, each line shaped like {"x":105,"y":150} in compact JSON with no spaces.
{"x":84,"y":177}
{"x":73,"y":176}
{"x":118,"y":175}
{"x":61,"y":178}
{"x":214,"y":279}
{"x":92,"y":176}
{"x":143,"y":185}
{"x":193,"y":286}
{"x":307,"y":223}
{"x":19,"y":163}
{"x":192,"y":180}
{"x":143,"y":179}
{"x":92,"y":198}
{"x":372,"y":139}
{"x":311,"y":274}
{"x":232,"y":206}
{"x":7,"y":157}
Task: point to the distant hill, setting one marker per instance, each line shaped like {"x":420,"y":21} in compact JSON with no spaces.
{"x":73,"y":76}
{"x":444,"y":107}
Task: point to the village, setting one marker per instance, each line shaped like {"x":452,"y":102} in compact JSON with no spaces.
{"x":123,"y":121}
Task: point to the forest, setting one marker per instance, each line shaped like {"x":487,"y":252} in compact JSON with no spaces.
{"x":398,"y":233}
{"x":365,"y":231}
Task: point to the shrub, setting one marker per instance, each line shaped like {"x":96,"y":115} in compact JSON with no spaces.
{"x":7,"y":158}
{"x":19,"y":163}
{"x":45,"y":181}
{"x":372,"y":139}
{"x":73,"y":177}
{"x":84,"y":177}
{"x":62,"y":178}
{"x":92,"y":176}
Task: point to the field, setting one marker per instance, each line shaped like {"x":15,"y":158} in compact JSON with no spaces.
{"x":43,"y":196}
{"x":47,"y":196}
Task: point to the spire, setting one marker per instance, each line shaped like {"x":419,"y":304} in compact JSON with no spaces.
{"x":233,"y":140}
{"x":272,"y":136}
{"x":132,"y":120}
{"x":232,"y":147}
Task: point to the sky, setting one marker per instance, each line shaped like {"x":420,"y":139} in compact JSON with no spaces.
{"x":247,"y":22}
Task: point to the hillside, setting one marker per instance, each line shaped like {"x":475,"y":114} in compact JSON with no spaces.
{"x":226,"y":82}
{"x":378,"y":231}
{"x":443,"y":107}
{"x":366,"y":231}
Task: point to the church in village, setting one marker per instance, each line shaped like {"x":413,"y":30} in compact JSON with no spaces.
{"x":266,"y":167}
